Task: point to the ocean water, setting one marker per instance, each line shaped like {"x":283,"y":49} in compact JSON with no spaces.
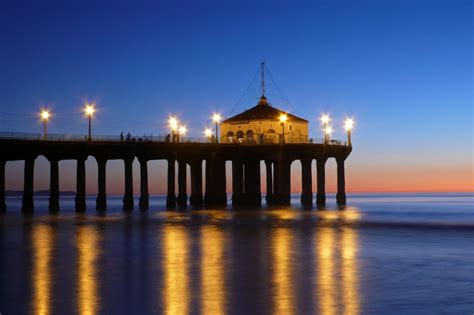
{"x":382,"y":254}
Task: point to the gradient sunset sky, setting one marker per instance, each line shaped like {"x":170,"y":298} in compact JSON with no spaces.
{"x":402,"y":69}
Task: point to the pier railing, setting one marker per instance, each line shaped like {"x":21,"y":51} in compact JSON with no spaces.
{"x":6,"y":135}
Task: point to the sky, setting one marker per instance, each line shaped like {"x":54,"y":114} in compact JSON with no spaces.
{"x":402,"y":69}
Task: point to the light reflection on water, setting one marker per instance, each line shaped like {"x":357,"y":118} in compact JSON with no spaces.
{"x":88,"y":251}
{"x":287,"y":261}
{"x":42,"y":276}
{"x":213,"y":282}
{"x":175,"y":291}
{"x":283,"y":295}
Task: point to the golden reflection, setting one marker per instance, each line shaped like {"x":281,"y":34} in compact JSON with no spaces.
{"x":87,"y":242}
{"x":282,"y":242}
{"x":43,"y":241}
{"x":176,"y":270}
{"x":212,"y":276}
{"x":350,"y":280}
{"x":326,"y":270}
{"x":338,"y":282}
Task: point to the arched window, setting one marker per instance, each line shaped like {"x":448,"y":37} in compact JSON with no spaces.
{"x":240,"y":136}
{"x":230,"y":136}
{"x":249,"y":135}
{"x":271,"y":131}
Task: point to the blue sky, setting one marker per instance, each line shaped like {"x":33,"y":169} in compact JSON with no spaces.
{"x":403,"y":69}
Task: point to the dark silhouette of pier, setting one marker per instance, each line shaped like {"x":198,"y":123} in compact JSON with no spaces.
{"x":210,"y":157}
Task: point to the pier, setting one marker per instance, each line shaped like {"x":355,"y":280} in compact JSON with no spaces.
{"x":206,"y":160}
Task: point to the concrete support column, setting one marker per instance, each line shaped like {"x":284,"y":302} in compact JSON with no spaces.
{"x":306,"y":183}
{"x":196,"y":184}
{"x":209,"y":184}
{"x":27,"y":202}
{"x":283,"y":192}
{"x":3,"y":206}
{"x":237,"y":182}
{"x":54,"y":186}
{"x":269,"y":174}
{"x":182,"y":194}
{"x":144,"y":202}
{"x":101,"y":201}
{"x":128,"y":196}
{"x":321,"y":178}
{"x":219,"y":183}
{"x":171,"y":192}
{"x":81,"y":185}
{"x":341,"y":183}
{"x":253,"y":195}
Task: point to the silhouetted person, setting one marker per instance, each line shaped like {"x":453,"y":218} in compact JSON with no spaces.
{"x":121,"y":136}
{"x":129,"y":136}
{"x":168,"y":138}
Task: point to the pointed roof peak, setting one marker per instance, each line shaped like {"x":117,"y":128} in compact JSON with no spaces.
{"x":263,"y":101}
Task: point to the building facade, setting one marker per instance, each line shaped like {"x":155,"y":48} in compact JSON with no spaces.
{"x":261,"y":124}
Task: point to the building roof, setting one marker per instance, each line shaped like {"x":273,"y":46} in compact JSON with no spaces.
{"x":262,"y":111}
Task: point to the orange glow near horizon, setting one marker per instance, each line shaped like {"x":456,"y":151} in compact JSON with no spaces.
{"x":361,"y":177}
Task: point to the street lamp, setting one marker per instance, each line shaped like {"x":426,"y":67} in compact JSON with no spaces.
{"x":348,"y":125}
{"x":208,"y":134}
{"x":89,"y":110}
{"x":173,"y":123}
{"x":216,"y":118}
{"x":182,"y":132}
{"x":327,"y":133}
{"x":325,"y":120}
{"x":283,"y":118}
{"x":44,"y":117}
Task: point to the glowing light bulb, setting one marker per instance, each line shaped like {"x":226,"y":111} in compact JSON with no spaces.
{"x":283,"y":118}
{"x":173,"y":123}
{"x":325,"y":118}
{"x":349,"y":124}
{"x":89,"y":109}
{"x":216,"y":117}
{"x":45,"y":115}
{"x":208,"y":132}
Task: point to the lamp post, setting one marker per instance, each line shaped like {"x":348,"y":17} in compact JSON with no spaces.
{"x":182,"y":132}
{"x":283,"y":118}
{"x":208,"y":134}
{"x":44,"y":117}
{"x":327,"y":133}
{"x":89,"y":110}
{"x":173,"y":123}
{"x":325,"y":120}
{"x":348,"y":125}
{"x":216,"y":118}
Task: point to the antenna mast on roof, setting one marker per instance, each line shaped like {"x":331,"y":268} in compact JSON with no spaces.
{"x":263,"y":78}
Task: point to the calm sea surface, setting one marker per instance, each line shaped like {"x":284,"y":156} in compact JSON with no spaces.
{"x":383,"y":254}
